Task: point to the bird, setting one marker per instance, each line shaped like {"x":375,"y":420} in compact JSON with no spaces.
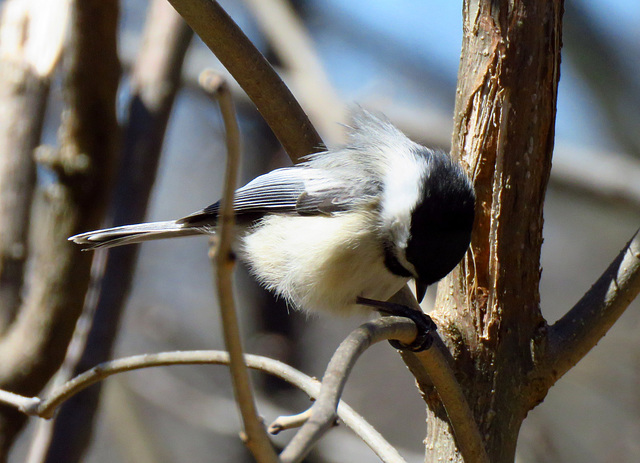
{"x":345,"y":229}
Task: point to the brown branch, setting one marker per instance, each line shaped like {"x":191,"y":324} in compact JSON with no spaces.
{"x":323,"y":411}
{"x":254,"y":74}
{"x":435,"y":369}
{"x":23,"y":93}
{"x":580,"y":329}
{"x":155,"y":80}
{"x":223,"y":258}
{"x":34,"y":346}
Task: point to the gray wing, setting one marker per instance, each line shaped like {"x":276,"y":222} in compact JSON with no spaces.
{"x":300,"y":190}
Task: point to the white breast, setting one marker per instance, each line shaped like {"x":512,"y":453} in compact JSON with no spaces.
{"x":320,"y":263}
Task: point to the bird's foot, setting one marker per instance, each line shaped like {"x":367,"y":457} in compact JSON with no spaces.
{"x":423,"y":322}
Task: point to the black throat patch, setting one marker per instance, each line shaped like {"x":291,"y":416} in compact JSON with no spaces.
{"x":392,"y":263}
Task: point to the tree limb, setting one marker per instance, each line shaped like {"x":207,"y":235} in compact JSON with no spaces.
{"x":35,"y":344}
{"x":580,"y":329}
{"x":155,"y":80}
{"x":434,"y":371}
{"x":254,"y":74}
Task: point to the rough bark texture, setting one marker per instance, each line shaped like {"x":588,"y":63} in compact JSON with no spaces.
{"x":34,"y":345}
{"x":488,"y":308}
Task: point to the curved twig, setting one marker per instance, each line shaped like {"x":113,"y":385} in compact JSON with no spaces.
{"x":254,"y":74}
{"x":323,"y":411}
{"x":436,"y":362}
{"x":432,"y":367}
{"x":45,"y":408}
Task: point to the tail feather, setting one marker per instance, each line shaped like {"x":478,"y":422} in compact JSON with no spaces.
{"x":130,"y":234}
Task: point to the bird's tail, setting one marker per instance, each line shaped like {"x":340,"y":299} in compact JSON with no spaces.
{"x":129,"y":234}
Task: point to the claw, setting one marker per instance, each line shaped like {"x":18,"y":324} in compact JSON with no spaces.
{"x":424,"y":324}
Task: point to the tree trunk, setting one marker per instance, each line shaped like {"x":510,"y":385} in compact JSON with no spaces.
{"x":34,"y":345}
{"x":488,"y":308}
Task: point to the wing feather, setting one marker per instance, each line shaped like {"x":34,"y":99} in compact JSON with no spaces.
{"x":301,"y":190}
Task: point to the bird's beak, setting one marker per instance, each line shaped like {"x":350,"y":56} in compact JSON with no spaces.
{"x":421,"y":289}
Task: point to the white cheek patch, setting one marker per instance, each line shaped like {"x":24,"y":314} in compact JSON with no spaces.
{"x":403,"y":185}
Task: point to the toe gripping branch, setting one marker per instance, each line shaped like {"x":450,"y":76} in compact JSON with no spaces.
{"x":424,"y":324}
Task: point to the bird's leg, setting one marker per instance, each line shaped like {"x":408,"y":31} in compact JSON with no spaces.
{"x":424,"y":324}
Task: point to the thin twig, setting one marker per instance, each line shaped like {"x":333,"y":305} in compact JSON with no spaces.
{"x":284,"y":422}
{"x":27,"y":405}
{"x":254,"y":74}
{"x":323,"y":411}
{"x":223,"y":258}
{"x":580,"y":329}
{"x":45,"y":408}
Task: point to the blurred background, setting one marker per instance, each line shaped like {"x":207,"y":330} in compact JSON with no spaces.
{"x":400,"y":58}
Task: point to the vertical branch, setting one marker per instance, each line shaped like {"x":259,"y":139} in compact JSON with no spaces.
{"x":34,"y":346}
{"x":224,"y":260}
{"x":503,"y":133}
{"x":24,"y":86}
{"x":155,"y":80}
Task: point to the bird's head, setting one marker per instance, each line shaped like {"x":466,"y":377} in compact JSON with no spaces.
{"x":441,"y":222}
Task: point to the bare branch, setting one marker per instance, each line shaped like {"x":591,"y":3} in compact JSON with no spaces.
{"x":25,"y":27}
{"x":45,"y":408}
{"x":323,"y":411}
{"x":433,"y":370}
{"x":580,"y":329}
{"x":455,"y":403}
{"x":254,"y":74}
{"x":27,"y":405}
{"x":35,"y":344}
{"x":223,"y":258}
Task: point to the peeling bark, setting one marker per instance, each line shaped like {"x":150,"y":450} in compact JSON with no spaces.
{"x":488,"y":308}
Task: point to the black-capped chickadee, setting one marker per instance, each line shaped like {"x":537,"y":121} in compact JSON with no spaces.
{"x":346,"y":226}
